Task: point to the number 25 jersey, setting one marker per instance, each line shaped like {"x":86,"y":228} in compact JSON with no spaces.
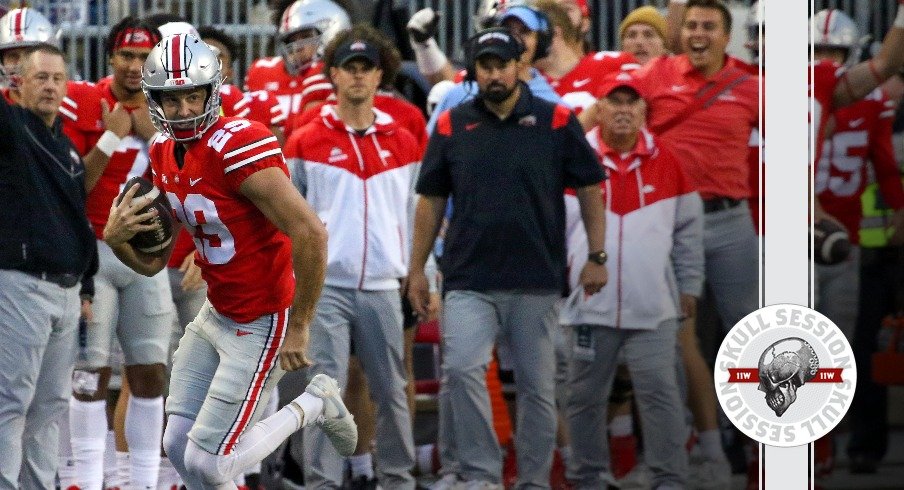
{"x":245,"y":259}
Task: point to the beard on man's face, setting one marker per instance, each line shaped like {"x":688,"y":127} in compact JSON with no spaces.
{"x":497,"y":92}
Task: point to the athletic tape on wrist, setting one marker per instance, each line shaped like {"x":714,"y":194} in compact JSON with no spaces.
{"x":108,"y":143}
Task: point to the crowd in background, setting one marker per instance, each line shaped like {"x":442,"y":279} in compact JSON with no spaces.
{"x":578,"y":224}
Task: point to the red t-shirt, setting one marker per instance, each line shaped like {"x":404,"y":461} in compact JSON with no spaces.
{"x":711,"y":143}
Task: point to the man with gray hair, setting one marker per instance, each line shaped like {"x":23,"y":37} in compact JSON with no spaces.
{"x":47,"y":248}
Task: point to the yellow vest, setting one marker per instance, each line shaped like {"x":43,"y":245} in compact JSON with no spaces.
{"x":874,"y":226}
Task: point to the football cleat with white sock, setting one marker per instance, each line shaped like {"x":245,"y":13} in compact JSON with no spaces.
{"x":335,"y":421}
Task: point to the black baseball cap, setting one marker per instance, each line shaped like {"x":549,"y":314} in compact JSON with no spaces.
{"x":356,"y":48}
{"x":497,"y":41}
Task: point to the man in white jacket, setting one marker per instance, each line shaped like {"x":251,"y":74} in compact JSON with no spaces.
{"x":654,"y":240}
{"x":357,"y":168}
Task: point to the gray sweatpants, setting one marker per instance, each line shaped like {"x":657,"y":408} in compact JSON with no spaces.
{"x":730,"y":246}
{"x":373,"y":321}
{"x":472,"y":321}
{"x":650,"y":357}
{"x":38,"y":345}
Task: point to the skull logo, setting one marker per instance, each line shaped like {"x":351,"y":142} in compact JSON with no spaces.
{"x":784,"y":367}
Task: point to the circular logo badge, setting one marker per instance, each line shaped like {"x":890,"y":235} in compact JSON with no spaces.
{"x":785,"y":375}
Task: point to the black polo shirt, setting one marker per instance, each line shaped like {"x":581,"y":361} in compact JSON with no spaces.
{"x":507,"y":179}
{"x":43,"y":225}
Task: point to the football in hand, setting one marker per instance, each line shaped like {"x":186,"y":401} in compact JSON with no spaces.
{"x":831,"y":244}
{"x":152,"y":242}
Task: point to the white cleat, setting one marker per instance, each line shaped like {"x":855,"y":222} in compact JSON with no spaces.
{"x":335,"y":421}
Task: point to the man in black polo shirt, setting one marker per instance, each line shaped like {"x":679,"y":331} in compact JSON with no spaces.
{"x":46,"y":246}
{"x":507,"y":158}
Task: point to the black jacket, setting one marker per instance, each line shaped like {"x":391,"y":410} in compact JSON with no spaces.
{"x":43,"y":225}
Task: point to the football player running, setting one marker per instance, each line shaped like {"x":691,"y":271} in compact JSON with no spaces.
{"x":227,"y":183}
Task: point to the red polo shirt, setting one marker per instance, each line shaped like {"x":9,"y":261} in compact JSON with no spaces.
{"x":712,"y":142}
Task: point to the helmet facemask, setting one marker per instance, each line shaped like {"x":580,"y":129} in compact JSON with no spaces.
{"x":289,"y":49}
{"x":10,"y":76}
{"x":325,"y":17}
{"x":178,"y":63}
{"x":192,"y":128}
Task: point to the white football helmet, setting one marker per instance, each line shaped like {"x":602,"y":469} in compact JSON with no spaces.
{"x":178,"y":27}
{"x":832,"y":28}
{"x":23,"y":28}
{"x":325,"y":16}
{"x":179,"y":62}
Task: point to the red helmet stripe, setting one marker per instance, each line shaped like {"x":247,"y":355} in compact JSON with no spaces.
{"x":19,"y":23}
{"x":828,"y":23}
{"x":176,"y":56}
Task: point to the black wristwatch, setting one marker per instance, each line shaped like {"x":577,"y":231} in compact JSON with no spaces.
{"x":598,"y":257}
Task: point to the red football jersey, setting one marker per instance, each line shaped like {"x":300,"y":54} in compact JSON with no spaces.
{"x":244,"y":258}
{"x":578,"y":87}
{"x":257,"y":106}
{"x":862,"y":133}
{"x":81,"y":115}
{"x":825,"y":76}
{"x":129,"y":160}
{"x":404,"y":113}
{"x":292,"y":92}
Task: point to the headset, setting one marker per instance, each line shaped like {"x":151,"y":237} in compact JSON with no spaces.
{"x":544,"y":33}
{"x":470,"y":48}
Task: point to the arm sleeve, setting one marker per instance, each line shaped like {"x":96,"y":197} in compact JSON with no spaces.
{"x":687,"y":242}
{"x":298,"y":175}
{"x":687,"y":249}
{"x":295,"y":163}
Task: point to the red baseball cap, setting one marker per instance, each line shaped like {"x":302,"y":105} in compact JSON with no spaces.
{"x":619,"y":80}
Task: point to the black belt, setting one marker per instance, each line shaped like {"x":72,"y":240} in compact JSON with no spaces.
{"x":61,"y":280}
{"x":720,"y":204}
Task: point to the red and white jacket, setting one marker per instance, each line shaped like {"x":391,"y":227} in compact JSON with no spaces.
{"x":654,"y":239}
{"x":362,"y":187}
